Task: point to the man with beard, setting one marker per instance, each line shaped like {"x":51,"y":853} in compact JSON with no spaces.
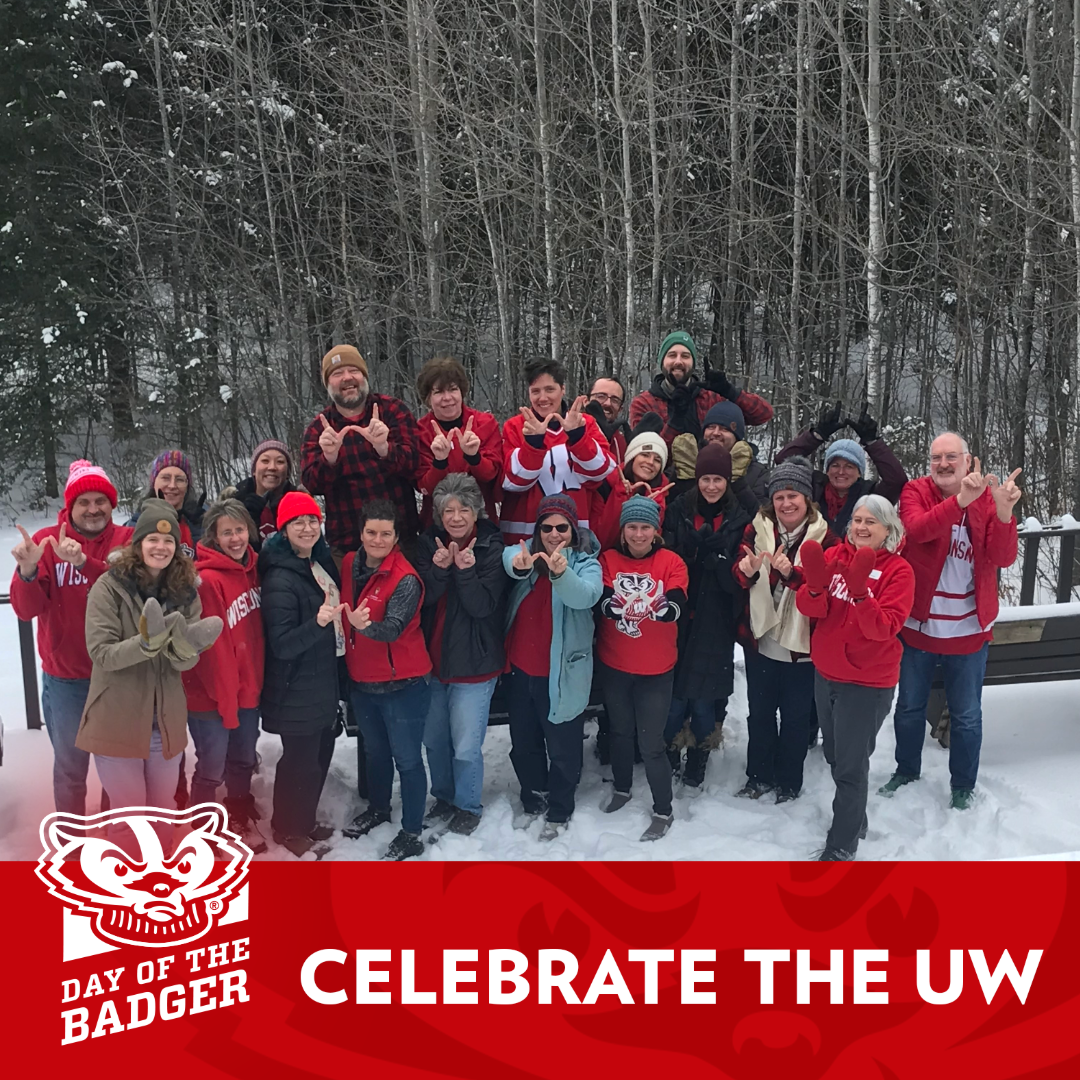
{"x":54,"y":570}
{"x":362,"y":446}
{"x":681,"y":400}
{"x":605,"y":406}
{"x":960,"y":530}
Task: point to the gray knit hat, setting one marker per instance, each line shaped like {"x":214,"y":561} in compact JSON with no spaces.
{"x":846,"y":450}
{"x":794,"y":474}
{"x":639,"y":508}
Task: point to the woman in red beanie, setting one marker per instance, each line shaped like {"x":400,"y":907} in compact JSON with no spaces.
{"x":301,"y":610}
{"x":859,"y":592}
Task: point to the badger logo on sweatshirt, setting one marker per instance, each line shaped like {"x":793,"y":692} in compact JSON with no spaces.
{"x":637,"y":598}
{"x":135,"y":891}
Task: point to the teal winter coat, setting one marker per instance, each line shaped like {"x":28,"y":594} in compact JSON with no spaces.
{"x":573,"y":595}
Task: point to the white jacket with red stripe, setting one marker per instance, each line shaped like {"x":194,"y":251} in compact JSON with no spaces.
{"x":576,"y":464}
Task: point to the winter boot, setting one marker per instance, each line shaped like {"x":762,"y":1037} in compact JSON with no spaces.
{"x":363,"y":823}
{"x":440,"y":812}
{"x":240,"y":815}
{"x":674,"y":756}
{"x":753,"y":789}
{"x":894,"y":784}
{"x":784,"y":795}
{"x":551,"y":830}
{"x":405,"y":845}
{"x":321,"y":832}
{"x":464,"y":823}
{"x":833,"y":854}
{"x":962,"y":798}
{"x":617,"y":801}
{"x":697,"y":760}
{"x":300,"y":845}
{"x":658,"y":827}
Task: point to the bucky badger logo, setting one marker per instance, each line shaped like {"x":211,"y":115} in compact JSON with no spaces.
{"x":637,"y":598}
{"x":149,"y":897}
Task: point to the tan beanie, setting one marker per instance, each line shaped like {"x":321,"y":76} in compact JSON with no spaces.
{"x":342,"y":356}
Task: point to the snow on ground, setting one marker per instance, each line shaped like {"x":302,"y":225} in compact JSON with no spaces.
{"x":1029,"y":796}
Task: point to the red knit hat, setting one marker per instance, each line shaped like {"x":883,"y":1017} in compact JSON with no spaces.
{"x":84,"y":476}
{"x":296,"y":504}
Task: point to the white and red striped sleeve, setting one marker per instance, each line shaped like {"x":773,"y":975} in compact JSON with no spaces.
{"x":590,"y":458}
{"x":521,"y":462}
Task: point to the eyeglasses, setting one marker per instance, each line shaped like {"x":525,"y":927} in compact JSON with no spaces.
{"x":564,"y":528}
{"x":308,"y":521}
{"x":612,"y":398}
{"x":948,"y":459}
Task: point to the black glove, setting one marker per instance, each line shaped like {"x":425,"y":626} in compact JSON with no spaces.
{"x":713,"y":543}
{"x":596,"y":411}
{"x":829,"y":422}
{"x":680,"y":406}
{"x":865,"y":427}
{"x":651,"y":422}
{"x":718,"y":381}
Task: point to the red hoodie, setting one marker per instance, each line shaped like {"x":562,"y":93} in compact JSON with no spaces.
{"x":229,"y":675}
{"x":57,"y":597}
{"x":860,"y":643}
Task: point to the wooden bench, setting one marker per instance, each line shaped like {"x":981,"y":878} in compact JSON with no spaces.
{"x":1031,"y":644}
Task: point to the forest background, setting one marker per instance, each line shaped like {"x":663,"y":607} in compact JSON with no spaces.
{"x":841,"y":199}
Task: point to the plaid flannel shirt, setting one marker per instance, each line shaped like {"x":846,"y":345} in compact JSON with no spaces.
{"x":359,"y":474}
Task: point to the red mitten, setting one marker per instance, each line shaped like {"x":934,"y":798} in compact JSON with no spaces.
{"x":858,"y":572}
{"x":815,"y":573}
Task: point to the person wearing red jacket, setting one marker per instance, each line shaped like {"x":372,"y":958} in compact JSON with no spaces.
{"x":681,"y":400}
{"x":960,"y":530}
{"x":636,"y":648}
{"x":390,"y":676}
{"x":223,"y":689}
{"x":859,"y":592}
{"x":54,"y":570}
{"x":546,"y":453}
{"x":455,"y":438}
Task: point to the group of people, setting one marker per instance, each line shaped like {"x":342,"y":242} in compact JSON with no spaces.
{"x":450,"y":551}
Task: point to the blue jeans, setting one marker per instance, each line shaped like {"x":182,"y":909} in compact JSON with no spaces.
{"x":149,"y":781}
{"x":222,"y":755}
{"x":454,"y":738}
{"x":392,"y":726}
{"x":963,"y":691}
{"x":62,"y":702}
{"x":702,"y":718}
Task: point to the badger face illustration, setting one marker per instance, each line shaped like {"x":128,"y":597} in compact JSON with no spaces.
{"x":146,"y":898}
{"x":637,"y":598}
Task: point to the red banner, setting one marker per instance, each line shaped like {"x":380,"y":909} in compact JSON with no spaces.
{"x":555,"y":970}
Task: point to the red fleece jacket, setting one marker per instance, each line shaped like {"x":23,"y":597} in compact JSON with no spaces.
{"x":859,"y":643}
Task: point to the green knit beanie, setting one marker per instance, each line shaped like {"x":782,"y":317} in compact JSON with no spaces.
{"x":676,"y":337}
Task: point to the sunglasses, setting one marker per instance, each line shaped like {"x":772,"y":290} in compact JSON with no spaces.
{"x":564,"y":528}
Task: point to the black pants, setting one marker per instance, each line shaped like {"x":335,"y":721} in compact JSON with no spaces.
{"x":545,"y":756}
{"x":639,"y":703}
{"x":851,"y":716}
{"x":775,"y":756}
{"x":298,"y":782}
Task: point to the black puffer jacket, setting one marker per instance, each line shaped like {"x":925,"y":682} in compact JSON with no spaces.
{"x":300,"y":687}
{"x":473,"y":632}
{"x":709,"y":627}
{"x":262,"y":508}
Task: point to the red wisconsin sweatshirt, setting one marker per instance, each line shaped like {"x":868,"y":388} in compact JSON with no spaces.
{"x":229,"y":675}
{"x":860,"y":643}
{"x":57,"y":597}
{"x":642,"y":600}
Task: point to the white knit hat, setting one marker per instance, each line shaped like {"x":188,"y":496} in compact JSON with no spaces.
{"x":648,"y":442}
